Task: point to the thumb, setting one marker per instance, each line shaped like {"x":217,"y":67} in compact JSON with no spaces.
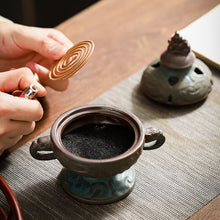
{"x":38,"y":41}
{"x":19,"y":79}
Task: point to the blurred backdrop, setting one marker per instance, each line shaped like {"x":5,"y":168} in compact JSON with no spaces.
{"x":42,"y":13}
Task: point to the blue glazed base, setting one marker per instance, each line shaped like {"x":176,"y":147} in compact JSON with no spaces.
{"x":98,"y":190}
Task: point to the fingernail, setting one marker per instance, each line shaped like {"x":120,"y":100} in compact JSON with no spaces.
{"x":54,"y":48}
{"x":57,"y":51}
{"x":42,"y":90}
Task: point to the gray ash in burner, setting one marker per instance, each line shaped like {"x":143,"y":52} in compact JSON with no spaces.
{"x":99,"y":141}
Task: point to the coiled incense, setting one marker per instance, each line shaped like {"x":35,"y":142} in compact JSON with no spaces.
{"x":72,"y":61}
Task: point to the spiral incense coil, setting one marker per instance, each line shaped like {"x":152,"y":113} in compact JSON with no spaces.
{"x":72,"y":61}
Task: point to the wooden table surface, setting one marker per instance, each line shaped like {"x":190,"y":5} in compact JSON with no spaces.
{"x":128,"y":35}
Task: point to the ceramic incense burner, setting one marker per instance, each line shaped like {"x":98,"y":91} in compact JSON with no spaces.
{"x":177,"y":78}
{"x":97,"y":181}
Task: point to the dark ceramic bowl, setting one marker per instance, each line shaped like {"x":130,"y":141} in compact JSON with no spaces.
{"x":83,"y":115}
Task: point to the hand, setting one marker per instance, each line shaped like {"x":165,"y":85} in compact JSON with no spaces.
{"x":17,"y":115}
{"x":36,"y":48}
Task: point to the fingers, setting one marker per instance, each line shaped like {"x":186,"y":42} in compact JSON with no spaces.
{"x":13,"y":132}
{"x":14,"y":128}
{"x":19,"y":79}
{"x":43,"y":74}
{"x":46,"y":42}
{"x":20,"y":109}
{"x":6,"y":143}
{"x":17,"y":117}
{"x":59,"y":37}
{"x":29,"y":110}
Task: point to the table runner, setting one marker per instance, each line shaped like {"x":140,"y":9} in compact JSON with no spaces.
{"x":172,"y":182}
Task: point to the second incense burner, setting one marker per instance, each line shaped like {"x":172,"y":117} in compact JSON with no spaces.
{"x":178,"y":77}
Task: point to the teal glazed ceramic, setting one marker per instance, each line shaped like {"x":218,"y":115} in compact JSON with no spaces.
{"x":98,"y":190}
{"x":96,"y":181}
{"x":177,"y":78}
